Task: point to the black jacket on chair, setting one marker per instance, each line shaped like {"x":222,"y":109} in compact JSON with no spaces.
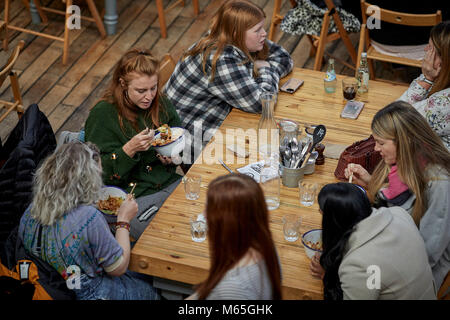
{"x":29,"y":143}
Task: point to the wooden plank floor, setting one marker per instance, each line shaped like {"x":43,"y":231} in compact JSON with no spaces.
{"x":67,"y":93}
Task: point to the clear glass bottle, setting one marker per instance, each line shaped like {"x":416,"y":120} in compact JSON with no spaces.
{"x":270,"y":181}
{"x":330,"y":80}
{"x":268,"y":133}
{"x":363,"y":74}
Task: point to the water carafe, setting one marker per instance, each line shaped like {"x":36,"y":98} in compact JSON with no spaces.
{"x":268,"y":133}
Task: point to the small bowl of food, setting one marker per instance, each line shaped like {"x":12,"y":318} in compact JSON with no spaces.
{"x":169,"y":142}
{"x":110,"y":200}
{"x":312,"y":242}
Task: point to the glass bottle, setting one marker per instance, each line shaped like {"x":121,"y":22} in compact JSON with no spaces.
{"x":268,"y":133}
{"x":270,"y":181}
{"x":330,"y":80}
{"x":363,"y":74}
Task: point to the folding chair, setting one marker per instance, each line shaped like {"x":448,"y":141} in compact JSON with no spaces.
{"x":277,"y":17}
{"x":65,"y":38}
{"x":166,"y":68}
{"x":6,"y":71}
{"x":162,"y":17}
{"x":318,"y":42}
{"x":394,"y":17}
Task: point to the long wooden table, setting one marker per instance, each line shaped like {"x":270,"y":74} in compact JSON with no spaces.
{"x":165,"y":250}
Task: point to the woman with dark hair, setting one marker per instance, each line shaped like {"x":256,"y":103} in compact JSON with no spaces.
{"x":364,"y":249}
{"x":244,"y":262}
{"x":430,"y":92}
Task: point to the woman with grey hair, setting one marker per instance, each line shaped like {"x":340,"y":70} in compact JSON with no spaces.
{"x":63,"y":227}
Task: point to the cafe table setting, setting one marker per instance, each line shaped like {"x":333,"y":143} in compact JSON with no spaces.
{"x":308,"y":121}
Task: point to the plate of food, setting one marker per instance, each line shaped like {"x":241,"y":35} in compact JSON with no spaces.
{"x":169,"y":142}
{"x":110,"y":200}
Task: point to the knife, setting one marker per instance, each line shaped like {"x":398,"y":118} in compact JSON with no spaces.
{"x":225,"y":166}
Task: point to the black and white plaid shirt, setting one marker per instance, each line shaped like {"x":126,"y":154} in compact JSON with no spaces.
{"x":203,"y":104}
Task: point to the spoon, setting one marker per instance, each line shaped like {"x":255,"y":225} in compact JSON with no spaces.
{"x":286,"y":154}
{"x":294,"y":151}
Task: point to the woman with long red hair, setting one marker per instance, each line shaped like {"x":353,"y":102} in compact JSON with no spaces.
{"x":122,"y":124}
{"x":244,"y":262}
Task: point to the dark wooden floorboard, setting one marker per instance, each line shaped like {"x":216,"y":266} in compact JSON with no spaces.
{"x":67,"y":93}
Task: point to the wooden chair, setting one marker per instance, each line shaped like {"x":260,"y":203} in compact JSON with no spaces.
{"x":165,"y":69}
{"x":394,"y":17}
{"x":65,"y":38}
{"x":277,"y":17}
{"x":162,"y":17}
{"x":318,"y":42}
{"x":6,"y":71}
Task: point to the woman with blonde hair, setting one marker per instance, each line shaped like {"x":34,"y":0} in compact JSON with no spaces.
{"x":227,"y":68}
{"x":414,"y":163}
{"x":63,"y":227}
{"x":244,"y":262}
{"x":430,"y":92}
{"x":123,"y":124}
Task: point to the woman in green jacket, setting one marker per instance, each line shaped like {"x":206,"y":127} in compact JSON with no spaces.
{"x":122,"y":125}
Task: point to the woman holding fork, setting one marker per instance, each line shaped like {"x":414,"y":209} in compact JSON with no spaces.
{"x":123,"y":125}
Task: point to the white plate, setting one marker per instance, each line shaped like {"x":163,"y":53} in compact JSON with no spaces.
{"x":112,"y":191}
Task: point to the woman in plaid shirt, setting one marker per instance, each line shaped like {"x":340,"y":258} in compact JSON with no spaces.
{"x":229,"y":67}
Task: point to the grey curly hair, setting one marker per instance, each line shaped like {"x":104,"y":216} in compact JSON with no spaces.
{"x":68,"y":178}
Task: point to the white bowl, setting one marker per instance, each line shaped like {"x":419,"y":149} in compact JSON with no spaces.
{"x":112,"y":191}
{"x":313,"y":236}
{"x":173,"y":148}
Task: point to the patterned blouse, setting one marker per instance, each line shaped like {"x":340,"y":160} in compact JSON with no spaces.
{"x":80,"y":238}
{"x":436,"y":108}
{"x":203,"y":104}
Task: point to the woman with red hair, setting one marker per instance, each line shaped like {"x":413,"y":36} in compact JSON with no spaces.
{"x":244,"y":262}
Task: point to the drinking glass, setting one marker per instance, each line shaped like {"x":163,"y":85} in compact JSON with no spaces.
{"x":192,"y":186}
{"x":307,"y":193}
{"x":291,"y":227}
{"x":198,"y":228}
{"x":349,"y":88}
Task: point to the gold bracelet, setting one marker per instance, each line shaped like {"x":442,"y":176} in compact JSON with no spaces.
{"x":123,"y":224}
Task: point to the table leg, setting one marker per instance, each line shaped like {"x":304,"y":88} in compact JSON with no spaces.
{"x":111,"y":17}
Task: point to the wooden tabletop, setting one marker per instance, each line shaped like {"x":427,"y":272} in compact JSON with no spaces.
{"x":166,"y":250}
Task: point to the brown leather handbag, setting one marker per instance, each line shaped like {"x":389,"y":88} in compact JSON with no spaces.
{"x":361,"y":152}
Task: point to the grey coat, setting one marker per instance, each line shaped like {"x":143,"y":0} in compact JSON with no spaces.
{"x":435,"y":223}
{"x":388,"y":244}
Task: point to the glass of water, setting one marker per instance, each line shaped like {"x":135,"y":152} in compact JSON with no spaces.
{"x":198,"y":228}
{"x":192,"y":186}
{"x":291,"y":227}
{"x":307,"y":192}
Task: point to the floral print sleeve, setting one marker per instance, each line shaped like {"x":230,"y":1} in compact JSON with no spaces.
{"x":436,"y":108}
{"x":437,"y":113}
{"x":416,"y":95}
